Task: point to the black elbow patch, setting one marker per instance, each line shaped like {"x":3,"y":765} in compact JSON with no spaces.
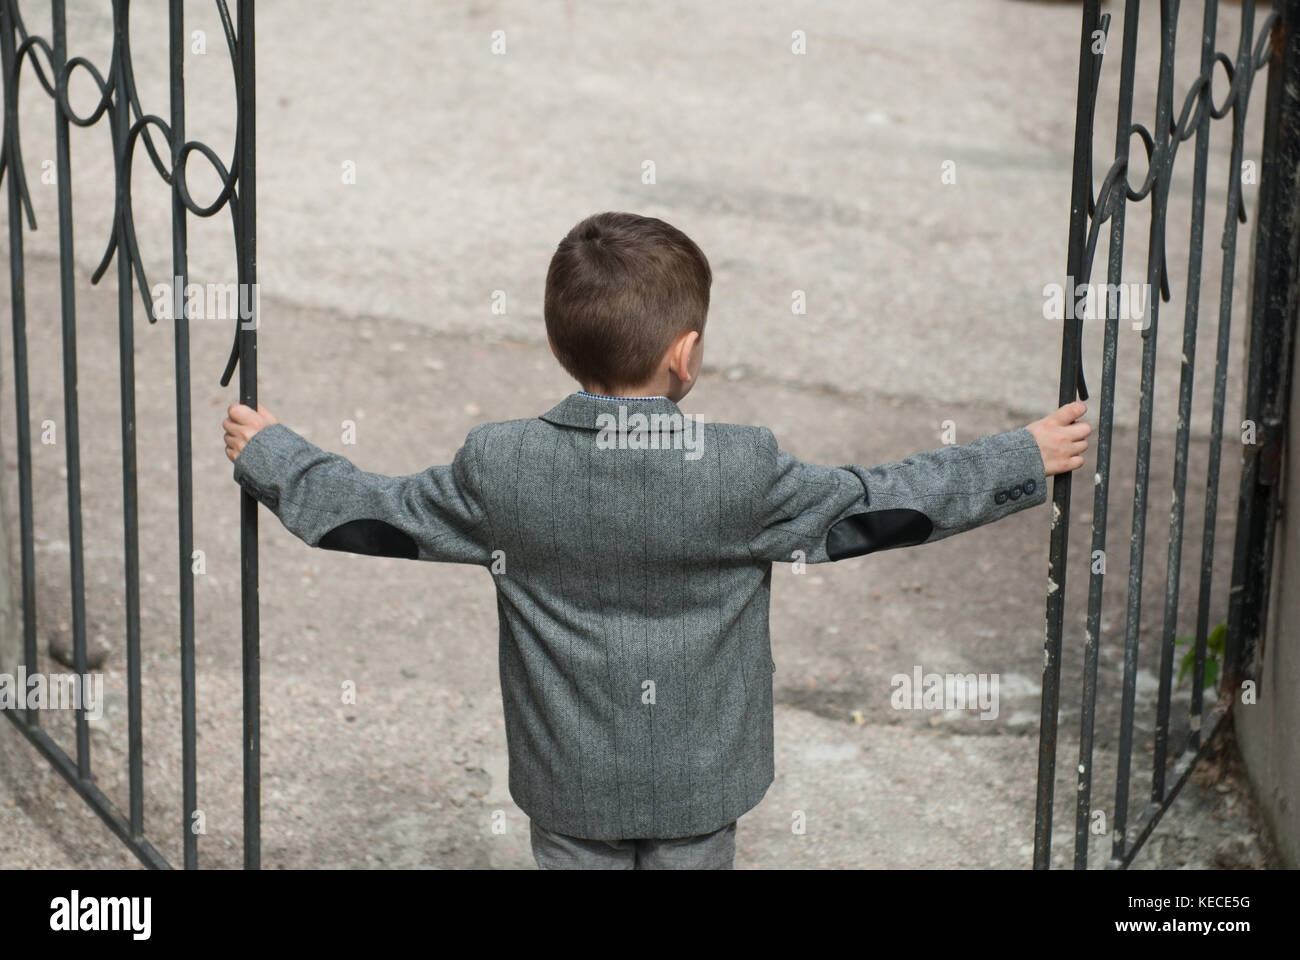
{"x":882,"y":530}
{"x":374,"y":538}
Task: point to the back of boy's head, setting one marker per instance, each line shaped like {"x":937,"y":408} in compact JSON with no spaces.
{"x":620,"y":289}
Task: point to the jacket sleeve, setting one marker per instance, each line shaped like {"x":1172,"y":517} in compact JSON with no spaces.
{"x":326,"y":501}
{"x":815,"y":514}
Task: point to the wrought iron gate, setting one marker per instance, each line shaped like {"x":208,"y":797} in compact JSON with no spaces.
{"x":119,"y":102}
{"x":1272,"y":43}
{"x":1269,"y":344}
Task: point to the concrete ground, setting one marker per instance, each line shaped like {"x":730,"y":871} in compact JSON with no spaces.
{"x":820,"y":173}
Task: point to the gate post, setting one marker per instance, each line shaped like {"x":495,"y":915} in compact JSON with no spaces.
{"x":1271,"y":318}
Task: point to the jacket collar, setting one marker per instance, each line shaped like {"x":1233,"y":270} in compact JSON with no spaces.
{"x":580,"y":410}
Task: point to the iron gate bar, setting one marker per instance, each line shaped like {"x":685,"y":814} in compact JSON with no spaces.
{"x":1105,"y":437}
{"x":1080,"y":200}
{"x":1153,"y":811}
{"x":1186,"y":378}
{"x":247,"y":336}
{"x":11,"y":163}
{"x":1197,"y":112}
{"x":95,"y":798}
{"x":121,"y":120}
{"x":71,"y":426}
{"x":184,"y":467}
{"x":1157,"y":173}
{"x":1229,"y":246}
{"x":119,"y":100}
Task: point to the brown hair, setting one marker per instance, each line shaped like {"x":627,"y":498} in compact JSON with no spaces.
{"x":620,"y":289}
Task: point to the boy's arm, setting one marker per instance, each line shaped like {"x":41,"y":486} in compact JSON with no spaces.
{"x":833,"y":513}
{"x":326,"y":501}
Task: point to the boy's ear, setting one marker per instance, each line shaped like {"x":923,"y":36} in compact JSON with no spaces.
{"x":679,"y":355}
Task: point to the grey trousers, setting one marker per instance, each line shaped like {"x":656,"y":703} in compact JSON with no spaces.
{"x":709,"y":851}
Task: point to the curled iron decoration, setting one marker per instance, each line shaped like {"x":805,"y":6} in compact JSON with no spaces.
{"x":1161,"y":156}
{"x":108,"y":104}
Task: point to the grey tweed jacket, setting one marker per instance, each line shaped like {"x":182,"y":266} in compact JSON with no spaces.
{"x":631,"y":547}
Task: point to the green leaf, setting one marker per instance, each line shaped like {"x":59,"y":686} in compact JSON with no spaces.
{"x":1218,"y":640}
{"x":1215,"y":646}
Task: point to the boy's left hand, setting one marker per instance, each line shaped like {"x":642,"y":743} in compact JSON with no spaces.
{"x":241,"y":423}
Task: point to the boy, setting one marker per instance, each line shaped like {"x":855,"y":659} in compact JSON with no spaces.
{"x":632,"y":551}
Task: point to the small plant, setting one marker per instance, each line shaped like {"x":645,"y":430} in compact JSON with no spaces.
{"x":1214,"y":646}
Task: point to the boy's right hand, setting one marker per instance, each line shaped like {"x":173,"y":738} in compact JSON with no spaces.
{"x":1061,"y":441}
